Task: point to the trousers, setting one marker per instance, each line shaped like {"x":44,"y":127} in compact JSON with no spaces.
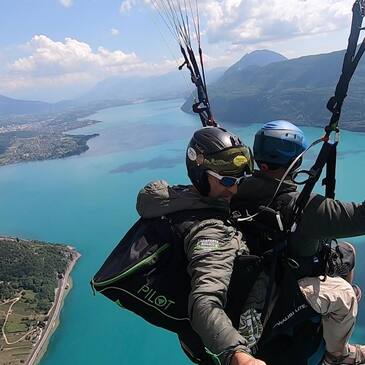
{"x":336,"y":301}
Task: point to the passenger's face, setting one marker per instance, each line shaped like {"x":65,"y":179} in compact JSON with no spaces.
{"x":217,"y":190}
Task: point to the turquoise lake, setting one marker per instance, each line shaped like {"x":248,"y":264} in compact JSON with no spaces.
{"x":88,"y":201}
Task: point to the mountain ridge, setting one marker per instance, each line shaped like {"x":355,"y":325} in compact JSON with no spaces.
{"x":259,"y":58}
{"x":171,"y":85}
{"x":296,"y":89}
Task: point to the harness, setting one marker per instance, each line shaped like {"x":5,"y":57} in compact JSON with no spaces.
{"x":288,"y":316}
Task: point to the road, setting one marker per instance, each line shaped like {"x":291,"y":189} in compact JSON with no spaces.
{"x":55,"y":312}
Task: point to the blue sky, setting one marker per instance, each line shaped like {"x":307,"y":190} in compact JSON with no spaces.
{"x":86,"y":20}
{"x":59,"y":49}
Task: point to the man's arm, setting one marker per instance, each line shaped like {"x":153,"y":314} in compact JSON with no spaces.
{"x":211,"y":248}
{"x":327,"y":218}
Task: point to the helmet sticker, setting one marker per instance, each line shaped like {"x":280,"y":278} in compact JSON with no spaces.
{"x":200,"y":159}
{"x":192,"y":154}
{"x":240,"y":160}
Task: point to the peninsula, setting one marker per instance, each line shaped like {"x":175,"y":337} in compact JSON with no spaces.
{"x":42,"y":138}
{"x":35,"y":278}
{"x":46,"y":135}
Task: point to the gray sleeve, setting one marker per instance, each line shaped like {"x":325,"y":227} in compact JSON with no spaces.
{"x":327,"y":218}
{"x":211,"y":248}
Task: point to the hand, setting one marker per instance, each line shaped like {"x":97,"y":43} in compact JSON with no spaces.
{"x":241,"y":358}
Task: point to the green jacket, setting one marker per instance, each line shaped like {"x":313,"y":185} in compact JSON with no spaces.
{"x":322,"y":219}
{"x":211,"y":247}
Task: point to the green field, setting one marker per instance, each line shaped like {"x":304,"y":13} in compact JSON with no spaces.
{"x":22,"y":319}
{"x":15,"y":355}
{"x":30,"y":273}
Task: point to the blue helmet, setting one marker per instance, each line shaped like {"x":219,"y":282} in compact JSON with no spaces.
{"x":278,"y":142}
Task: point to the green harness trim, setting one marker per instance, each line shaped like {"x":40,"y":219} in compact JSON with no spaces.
{"x":117,"y":302}
{"x":214,"y":356}
{"x":135,"y":268}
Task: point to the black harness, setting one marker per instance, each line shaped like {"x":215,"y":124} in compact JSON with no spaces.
{"x":290,"y":318}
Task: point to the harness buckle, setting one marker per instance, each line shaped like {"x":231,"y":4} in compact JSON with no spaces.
{"x":292,"y":263}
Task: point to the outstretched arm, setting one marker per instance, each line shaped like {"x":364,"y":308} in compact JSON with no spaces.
{"x":211,"y":248}
{"x":327,"y":218}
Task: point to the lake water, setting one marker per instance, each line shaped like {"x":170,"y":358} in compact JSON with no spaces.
{"x":88,"y":201}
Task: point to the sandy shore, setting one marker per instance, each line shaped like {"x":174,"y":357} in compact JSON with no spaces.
{"x":64,"y":288}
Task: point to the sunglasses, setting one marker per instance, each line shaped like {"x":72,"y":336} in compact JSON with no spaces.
{"x":226,"y":181}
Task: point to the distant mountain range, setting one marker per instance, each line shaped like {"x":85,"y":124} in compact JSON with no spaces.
{"x":124,"y":89}
{"x":296,"y":89}
{"x":168,"y":86}
{"x":262,"y":86}
{"x":10,"y":106}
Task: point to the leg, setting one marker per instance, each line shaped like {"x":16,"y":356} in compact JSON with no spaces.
{"x":336,"y":301}
{"x":342,"y":261}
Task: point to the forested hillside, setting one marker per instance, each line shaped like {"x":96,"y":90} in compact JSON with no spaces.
{"x":296,"y":89}
{"x":28,"y":265}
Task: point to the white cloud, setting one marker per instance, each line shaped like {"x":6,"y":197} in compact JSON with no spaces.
{"x":114,"y":31}
{"x":230,"y":28}
{"x":51,"y":58}
{"x":127,"y":6}
{"x":66,"y":3}
{"x":71,"y":62}
{"x":251,"y":22}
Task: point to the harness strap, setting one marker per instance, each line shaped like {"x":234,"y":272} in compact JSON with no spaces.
{"x":330,"y":180}
{"x":328,"y":153}
{"x":202,"y":106}
{"x":350,"y":63}
{"x":273,"y":268}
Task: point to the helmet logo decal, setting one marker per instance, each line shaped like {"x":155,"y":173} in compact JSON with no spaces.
{"x":240,"y":160}
{"x":200,"y":159}
{"x":192,"y":154}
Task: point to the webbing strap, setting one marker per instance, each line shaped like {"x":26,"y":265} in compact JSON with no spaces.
{"x":330,"y":180}
{"x":327,"y":150}
{"x":202,"y":106}
{"x":328,"y":153}
{"x":350,"y":63}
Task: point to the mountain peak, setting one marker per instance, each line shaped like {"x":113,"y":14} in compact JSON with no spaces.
{"x":259,"y":58}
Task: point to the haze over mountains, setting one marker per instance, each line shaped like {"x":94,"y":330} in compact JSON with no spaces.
{"x":10,"y":106}
{"x":174,"y":84}
{"x":124,"y":89}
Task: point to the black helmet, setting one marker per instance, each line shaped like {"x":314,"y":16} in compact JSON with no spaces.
{"x":217,"y":150}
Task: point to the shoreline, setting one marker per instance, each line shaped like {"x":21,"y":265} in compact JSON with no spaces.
{"x":62,"y":291}
{"x":44,"y":348}
{"x":84,"y":146}
{"x":68,"y":132}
